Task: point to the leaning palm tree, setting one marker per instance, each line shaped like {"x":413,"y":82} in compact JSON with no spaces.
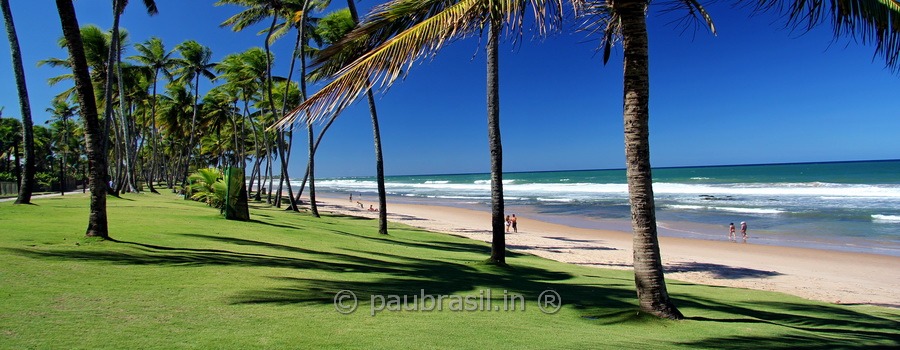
{"x":27,"y":184}
{"x":152,"y":53}
{"x":866,"y":20}
{"x":397,"y":33}
{"x":97,"y":224}
{"x":194,"y":63}
{"x":334,"y":28}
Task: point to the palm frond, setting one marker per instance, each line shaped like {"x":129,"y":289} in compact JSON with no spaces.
{"x":386,"y":62}
{"x":869,"y":21}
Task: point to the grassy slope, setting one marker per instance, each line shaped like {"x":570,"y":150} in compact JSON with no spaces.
{"x":182,"y":277}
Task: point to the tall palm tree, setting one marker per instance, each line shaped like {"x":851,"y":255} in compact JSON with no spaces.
{"x":96,"y":44}
{"x":27,"y":182}
{"x":376,"y":131}
{"x":401,"y":31}
{"x":153,"y":54}
{"x":866,"y":20}
{"x":97,"y":224}
{"x":62,"y":111}
{"x":194,"y":63}
{"x":114,"y":58}
{"x":256,"y":11}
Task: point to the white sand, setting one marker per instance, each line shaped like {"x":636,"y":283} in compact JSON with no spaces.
{"x":831,"y":276}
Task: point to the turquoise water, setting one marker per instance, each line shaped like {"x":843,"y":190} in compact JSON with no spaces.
{"x":852,"y":206}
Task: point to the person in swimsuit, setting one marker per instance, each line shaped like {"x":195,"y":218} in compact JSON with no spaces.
{"x":731,"y":231}
{"x":512,"y":222}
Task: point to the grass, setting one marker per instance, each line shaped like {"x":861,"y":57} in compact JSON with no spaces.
{"x":180,"y":276}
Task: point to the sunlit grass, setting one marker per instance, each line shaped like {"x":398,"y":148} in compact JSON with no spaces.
{"x":180,"y":276}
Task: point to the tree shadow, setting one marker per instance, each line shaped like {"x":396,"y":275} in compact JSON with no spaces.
{"x":720,"y":271}
{"x":432,"y":277}
{"x":817,"y":325}
{"x":148,"y":254}
{"x":255,"y":221}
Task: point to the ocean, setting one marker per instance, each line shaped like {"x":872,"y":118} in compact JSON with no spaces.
{"x":846,"y":206}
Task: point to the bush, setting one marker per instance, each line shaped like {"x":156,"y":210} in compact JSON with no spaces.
{"x":208,"y":186}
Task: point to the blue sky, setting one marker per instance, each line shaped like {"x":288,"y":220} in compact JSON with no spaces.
{"x":756,"y":93}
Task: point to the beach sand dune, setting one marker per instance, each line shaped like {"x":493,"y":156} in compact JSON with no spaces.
{"x":830,"y":276}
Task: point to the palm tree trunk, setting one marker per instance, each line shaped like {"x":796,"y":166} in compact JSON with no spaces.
{"x":498,"y":243}
{"x":313,"y":209}
{"x":154,"y":133}
{"x":648,"y":271}
{"x":379,"y":165}
{"x":315,"y":148}
{"x":108,"y":88}
{"x":376,"y":131}
{"x":27,"y":181}
{"x":97,"y":225}
{"x":126,"y":134}
{"x":190,"y":146}
{"x":293,"y":202}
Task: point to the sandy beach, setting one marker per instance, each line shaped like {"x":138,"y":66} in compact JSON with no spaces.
{"x":830,"y":276}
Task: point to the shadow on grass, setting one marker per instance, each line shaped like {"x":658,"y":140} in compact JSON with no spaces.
{"x":433,"y":277}
{"x":149,"y":254}
{"x":720,"y":271}
{"x":255,"y":221}
{"x":813,"y":326}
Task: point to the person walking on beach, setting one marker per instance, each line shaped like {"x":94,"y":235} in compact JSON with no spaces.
{"x":508,"y":223}
{"x":351,"y":197}
{"x":512,"y":222}
{"x":744,"y":231}
{"x":731,"y":232}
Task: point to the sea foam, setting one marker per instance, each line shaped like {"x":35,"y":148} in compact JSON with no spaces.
{"x":886,"y":218}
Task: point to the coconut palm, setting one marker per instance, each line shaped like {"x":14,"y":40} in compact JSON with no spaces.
{"x":256,"y":11}
{"x":175,"y":108}
{"x":63,"y":111}
{"x":27,"y":181}
{"x":153,"y":54}
{"x":96,"y":45}
{"x":195,"y":62}
{"x":401,"y":31}
{"x":867,"y":20}
{"x":97,"y":224}
{"x":332,"y":29}
{"x":114,"y":58}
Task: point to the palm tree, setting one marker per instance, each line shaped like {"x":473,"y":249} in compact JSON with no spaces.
{"x":194,"y":63}
{"x":96,"y":44}
{"x":27,"y":182}
{"x":152,"y":53}
{"x":115,"y":59}
{"x":97,"y":224}
{"x":257,"y":11}
{"x":63,"y":111}
{"x":175,"y":105}
{"x":401,"y":31}
{"x":868,"y":20}
{"x":376,"y":132}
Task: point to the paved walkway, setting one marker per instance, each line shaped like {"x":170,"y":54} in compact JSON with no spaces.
{"x":11,"y":199}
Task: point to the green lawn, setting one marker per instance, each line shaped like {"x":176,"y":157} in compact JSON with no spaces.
{"x":180,"y":276}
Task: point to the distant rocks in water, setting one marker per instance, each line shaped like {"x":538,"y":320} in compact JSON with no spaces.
{"x":707,"y":197}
